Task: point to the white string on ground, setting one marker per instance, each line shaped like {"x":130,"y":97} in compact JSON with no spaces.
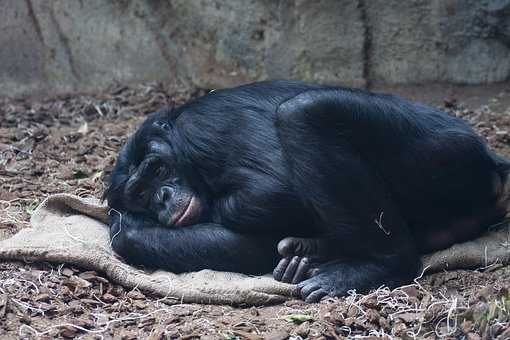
{"x":92,"y":331}
{"x":120,"y":224}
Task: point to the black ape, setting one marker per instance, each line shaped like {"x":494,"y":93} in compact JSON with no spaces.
{"x":371,"y":180}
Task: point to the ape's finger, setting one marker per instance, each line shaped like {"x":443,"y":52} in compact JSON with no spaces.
{"x":301,"y":271}
{"x":280,"y":268}
{"x":316,"y":296}
{"x":306,"y":288}
{"x":291,"y":269}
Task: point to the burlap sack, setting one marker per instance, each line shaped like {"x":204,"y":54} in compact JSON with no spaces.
{"x":70,"y":229}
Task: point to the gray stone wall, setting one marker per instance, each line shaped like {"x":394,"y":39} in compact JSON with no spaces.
{"x":71,"y":45}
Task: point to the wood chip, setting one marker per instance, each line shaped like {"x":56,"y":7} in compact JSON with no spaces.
{"x":67,"y":272}
{"x":42,"y":298}
{"x":135,"y":295}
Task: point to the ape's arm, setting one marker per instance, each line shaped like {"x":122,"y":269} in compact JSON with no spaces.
{"x":142,"y":241}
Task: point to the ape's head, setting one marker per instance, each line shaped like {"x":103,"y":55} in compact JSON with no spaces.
{"x":152,"y":178}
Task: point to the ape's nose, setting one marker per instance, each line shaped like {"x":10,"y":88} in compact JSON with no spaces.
{"x":164,"y":195}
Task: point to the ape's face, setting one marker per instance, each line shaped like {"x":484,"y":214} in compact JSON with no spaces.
{"x":155,"y":188}
{"x":149,"y":180}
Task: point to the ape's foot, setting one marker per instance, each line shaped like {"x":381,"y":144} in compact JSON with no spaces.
{"x":293,"y":269}
{"x":321,"y":285}
{"x":336,"y":278}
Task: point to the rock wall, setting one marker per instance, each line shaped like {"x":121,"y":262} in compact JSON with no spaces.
{"x":72,"y":45}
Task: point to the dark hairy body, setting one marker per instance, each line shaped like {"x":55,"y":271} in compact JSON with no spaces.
{"x":333,"y":188}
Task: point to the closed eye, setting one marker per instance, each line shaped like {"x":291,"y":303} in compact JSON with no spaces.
{"x":131,"y":169}
{"x":160,"y":171}
{"x":144,"y":196}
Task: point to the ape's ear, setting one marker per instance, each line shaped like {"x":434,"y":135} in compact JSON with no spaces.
{"x":115,"y":186}
{"x":105,"y":195}
{"x":158,"y":124}
{"x":162,"y":125}
{"x":120,"y":172}
{"x":114,"y":190}
{"x":108,"y":192}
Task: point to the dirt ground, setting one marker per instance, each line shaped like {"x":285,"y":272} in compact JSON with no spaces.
{"x":68,"y":144}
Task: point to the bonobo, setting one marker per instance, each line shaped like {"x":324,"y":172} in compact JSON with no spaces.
{"x":367,"y":181}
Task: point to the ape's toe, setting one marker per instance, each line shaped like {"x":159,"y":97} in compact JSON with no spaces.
{"x":292,"y":269}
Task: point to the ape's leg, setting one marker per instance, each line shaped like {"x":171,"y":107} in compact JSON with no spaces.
{"x":205,"y":246}
{"x":352,"y":205}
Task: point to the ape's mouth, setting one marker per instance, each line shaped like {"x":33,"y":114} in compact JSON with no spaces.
{"x":186,"y":215}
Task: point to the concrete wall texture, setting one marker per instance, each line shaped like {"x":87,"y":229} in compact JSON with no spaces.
{"x":82,"y":45}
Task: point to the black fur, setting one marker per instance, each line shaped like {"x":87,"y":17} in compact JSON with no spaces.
{"x":376,"y":177}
